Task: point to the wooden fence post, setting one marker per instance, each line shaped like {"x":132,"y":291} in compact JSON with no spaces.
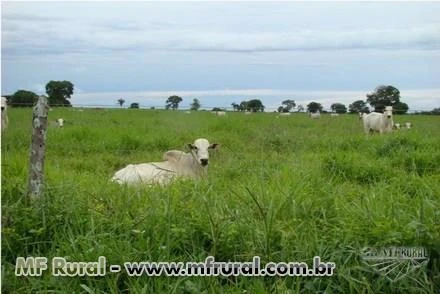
{"x":38,"y":148}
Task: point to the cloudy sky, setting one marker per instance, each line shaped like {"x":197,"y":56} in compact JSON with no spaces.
{"x":223,"y":52}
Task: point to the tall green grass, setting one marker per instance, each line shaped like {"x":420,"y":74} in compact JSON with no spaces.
{"x":284,"y":189}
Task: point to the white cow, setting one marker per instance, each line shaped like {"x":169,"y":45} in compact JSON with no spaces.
{"x":247,"y":112}
{"x":60,"y":122}
{"x":315,"y":115}
{"x":220,"y":113}
{"x":4,"y":113}
{"x":284,"y":114}
{"x":176,"y":164}
{"x":408,"y":125}
{"x":379,"y":122}
{"x":334,"y":114}
{"x":396,"y":126}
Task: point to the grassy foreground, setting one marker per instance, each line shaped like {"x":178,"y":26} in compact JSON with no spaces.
{"x":284,"y":189}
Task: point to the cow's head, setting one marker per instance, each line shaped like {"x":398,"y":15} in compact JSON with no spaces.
{"x":199,"y":149}
{"x":388,"y":111}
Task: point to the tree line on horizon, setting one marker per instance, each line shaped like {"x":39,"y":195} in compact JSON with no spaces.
{"x":59,"y":93}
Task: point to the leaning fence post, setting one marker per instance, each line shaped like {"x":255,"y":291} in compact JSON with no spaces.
{"x":38,"y":147}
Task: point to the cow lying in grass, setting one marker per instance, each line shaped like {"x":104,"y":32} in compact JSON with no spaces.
{"x":176,"y":164}
{"x":379,"y":122}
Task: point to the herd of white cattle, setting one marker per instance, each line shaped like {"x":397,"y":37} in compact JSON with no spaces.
{"x":193,"y":165}
{"x":373,"y":122}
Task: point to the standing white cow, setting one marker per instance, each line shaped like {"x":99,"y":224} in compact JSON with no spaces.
{"x":220,"y":113}
{"x":4,"y":113}
{"x":379,"y":122}
{"x":334,"y":114}
{"x":60,"y":122}
{"x":315,"y":115}
{"x":408,"y":125}
{"x":176,"y":164}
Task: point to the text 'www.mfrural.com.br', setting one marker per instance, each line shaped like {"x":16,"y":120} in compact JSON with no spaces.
{"x":34,"y":266}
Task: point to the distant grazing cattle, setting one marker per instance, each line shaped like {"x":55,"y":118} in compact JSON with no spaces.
{"x":315,"y":115}
{"x":247,"y":112}
{"x":408,"y":125}
{"x":60,"y":122}
{"x":220,"y":113}
{"x":284,"y":113}
{"x":334,"y":114}
{"x":379,"y":122}
{"x":192,"y":165}
{"x":396,"y":126}
{"x":4,"y":106}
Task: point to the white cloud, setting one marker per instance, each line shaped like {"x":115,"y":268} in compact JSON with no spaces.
{"x":52,"y":41}
{"x":32,"y":34}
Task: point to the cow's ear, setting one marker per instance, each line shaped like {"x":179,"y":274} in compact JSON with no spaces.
{"x":191,"y":146}
{"x":214,"y":145}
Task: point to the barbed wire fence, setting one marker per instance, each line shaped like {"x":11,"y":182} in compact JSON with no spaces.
{"x":188,"y":108}
{"x":39,"y":147}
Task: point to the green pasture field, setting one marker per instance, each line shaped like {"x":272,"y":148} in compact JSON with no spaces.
{"x":285,"y":189}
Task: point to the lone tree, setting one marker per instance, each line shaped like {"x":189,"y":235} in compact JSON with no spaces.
{"x":288,"y":105}
{"x":173,"y":102}
{"x":255,"y":105}
{"x":358,"y":106}
{"x":338,"y":108}
{"x":383,"y":96}
{"x":23,"y":98}
{"x":59,"y":92}
{"x":121,"y":102}
{"x":243,"y":106}
{"x":235,"y":106}
{"x":314,"y":107}
{"x":195,"y":105}
{"x":435,"y":111}
{"x":300,"y":108}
